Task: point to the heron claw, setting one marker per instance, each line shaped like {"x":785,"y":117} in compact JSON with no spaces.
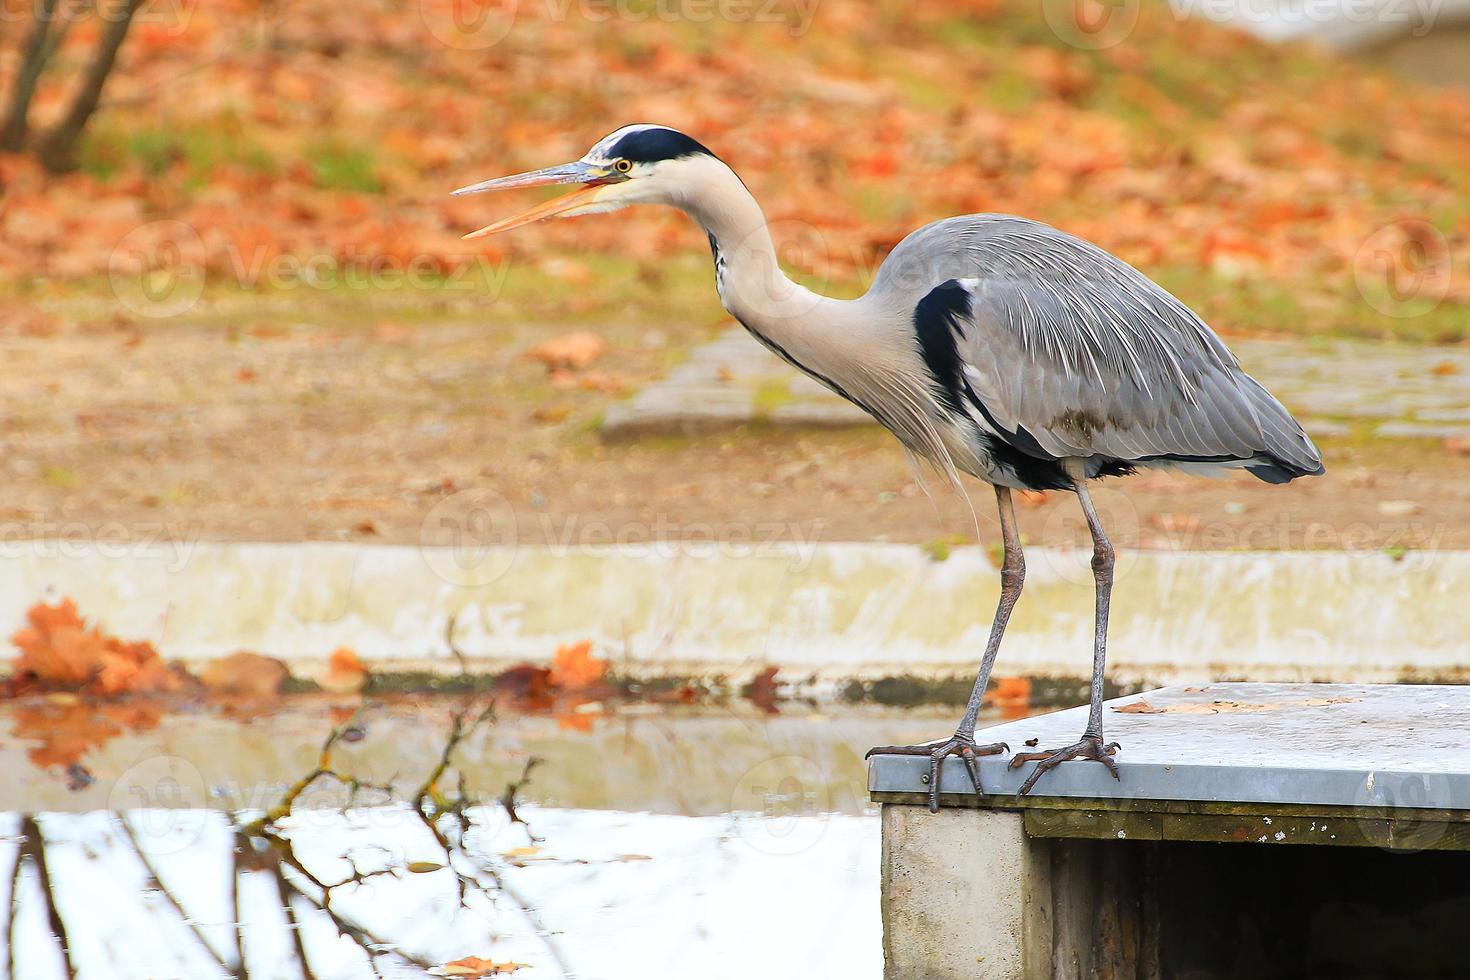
{"x":961,"y":744}
{"x":1090,"y":747}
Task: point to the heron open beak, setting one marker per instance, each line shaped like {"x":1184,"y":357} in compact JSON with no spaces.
{"x":592,"y":177}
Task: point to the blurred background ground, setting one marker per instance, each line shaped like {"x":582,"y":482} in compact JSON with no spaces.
{"x":240,"y":309}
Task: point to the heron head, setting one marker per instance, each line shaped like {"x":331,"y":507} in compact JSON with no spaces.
{"x":640,"y":164}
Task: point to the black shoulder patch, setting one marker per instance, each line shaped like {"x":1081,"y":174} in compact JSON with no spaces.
{"x":936,"y":323}
{"x":653,"y":145}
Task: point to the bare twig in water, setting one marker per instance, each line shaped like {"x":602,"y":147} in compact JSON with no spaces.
{"x":512,"y":789}
{"x":428,"y":790}
{"x":156,"y":883}
{"x":371,"y":945}
{"x":237,"y":870}
{"x":35,"y":849}
{"x":431,"y":805}
{"x":12,"y":905}
{"x":464,"y":664}
{"x":284,"y":891}
{"x":324,"y":768}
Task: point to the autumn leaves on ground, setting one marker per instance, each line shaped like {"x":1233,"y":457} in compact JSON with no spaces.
{"x":248,"y":314}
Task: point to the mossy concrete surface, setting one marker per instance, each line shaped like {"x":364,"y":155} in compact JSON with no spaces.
{"x":831,"y":612}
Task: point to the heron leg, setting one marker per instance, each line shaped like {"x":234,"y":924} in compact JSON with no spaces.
{"x":1091,"y":745}
{"x":1012,"y":578}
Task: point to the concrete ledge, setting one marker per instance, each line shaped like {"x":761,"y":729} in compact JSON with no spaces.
{"x":832,"y":612}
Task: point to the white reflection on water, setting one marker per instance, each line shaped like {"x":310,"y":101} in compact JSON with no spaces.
{"x":378,"y":854}
{"x":604,"y":895}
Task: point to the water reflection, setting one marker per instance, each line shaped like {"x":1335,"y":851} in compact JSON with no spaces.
{"x":214,"y":846}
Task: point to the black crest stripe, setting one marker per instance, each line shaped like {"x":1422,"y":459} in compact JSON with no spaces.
{"x":653,"y":145}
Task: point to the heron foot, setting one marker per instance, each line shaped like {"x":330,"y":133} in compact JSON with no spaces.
{"x":1091,"y":747}
{"x":962,"y":745}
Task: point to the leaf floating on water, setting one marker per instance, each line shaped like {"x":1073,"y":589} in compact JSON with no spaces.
{"x":474,"y":966}
{"x":423,"y":867}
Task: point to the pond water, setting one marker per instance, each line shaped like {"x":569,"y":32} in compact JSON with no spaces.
{"x":314,"y":839}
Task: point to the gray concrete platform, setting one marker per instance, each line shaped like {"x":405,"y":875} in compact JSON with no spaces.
{"x":1285,"y":744}
{"x":1156,"y":874}
{"x":1163,"y":872}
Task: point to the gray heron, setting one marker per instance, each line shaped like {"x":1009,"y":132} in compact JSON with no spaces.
{"x":990,"y":345}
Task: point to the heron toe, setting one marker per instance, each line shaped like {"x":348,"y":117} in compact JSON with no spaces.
{"x":961,"y":744}
{"x":1090,"y":747}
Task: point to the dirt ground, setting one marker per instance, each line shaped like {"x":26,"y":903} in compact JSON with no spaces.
{"x":247,"y":426}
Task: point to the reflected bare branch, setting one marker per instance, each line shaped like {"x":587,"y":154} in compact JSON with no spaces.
{"x":156,"y":883}
{"x":12,"y":904}
{"x":34,"y":847}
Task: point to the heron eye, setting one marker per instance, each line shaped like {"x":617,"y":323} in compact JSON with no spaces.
{"x":623,"y":166}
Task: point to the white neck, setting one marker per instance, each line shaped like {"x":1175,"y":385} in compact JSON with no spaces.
{"x":749,"y":278}
{"x":864,"y":348}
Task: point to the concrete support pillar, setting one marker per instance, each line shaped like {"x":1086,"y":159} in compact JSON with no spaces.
{"x":965,"y":895}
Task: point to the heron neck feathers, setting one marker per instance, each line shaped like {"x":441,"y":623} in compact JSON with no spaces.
{"x":748,"y":275}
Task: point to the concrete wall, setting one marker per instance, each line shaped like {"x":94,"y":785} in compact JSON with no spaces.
{"x":965,"y":895}
{"x":837,"y":611}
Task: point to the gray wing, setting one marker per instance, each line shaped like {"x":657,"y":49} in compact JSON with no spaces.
{"x":1067,"y":351}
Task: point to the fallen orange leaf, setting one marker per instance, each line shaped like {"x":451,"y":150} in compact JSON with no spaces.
{"x":345,"y":672}
{"x":474,"y":966}
{"x":57,"y":649}
{"x":569,"y":351}
{"x":244,"y":673}
{"x":574,"y":668}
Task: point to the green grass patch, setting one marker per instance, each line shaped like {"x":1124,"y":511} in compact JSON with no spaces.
{"x":338,"y":165}
{"x":199,"y":149}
